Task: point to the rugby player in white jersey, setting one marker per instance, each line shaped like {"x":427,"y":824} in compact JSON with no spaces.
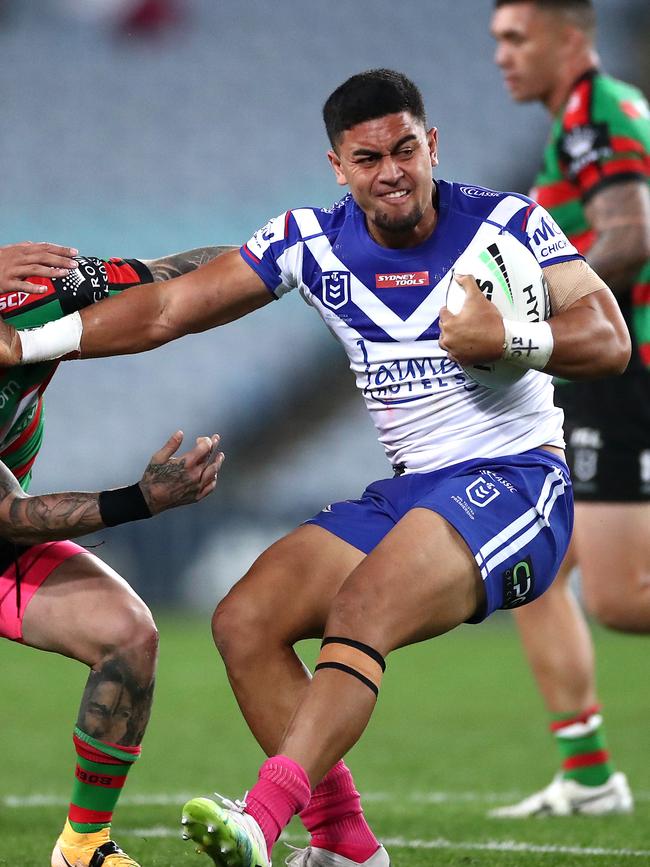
{"x":480,"y":491}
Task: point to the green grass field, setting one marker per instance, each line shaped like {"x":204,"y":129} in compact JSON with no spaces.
{"x":458,"y":729}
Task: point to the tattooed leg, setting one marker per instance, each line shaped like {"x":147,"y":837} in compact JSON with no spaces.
{"x":84,"y":610}
{"x":115,"y":707}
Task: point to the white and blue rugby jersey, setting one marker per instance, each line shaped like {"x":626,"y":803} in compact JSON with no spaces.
{"x":383,"y":305}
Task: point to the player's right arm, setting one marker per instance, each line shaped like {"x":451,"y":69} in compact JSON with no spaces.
{"x":168,"y":267}
{"x":167,"y":482}
{"x":144,"y":317}
{"x":216,"y":293}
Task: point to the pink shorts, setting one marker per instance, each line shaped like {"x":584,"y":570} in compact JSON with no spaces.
{"x":35,"y":565}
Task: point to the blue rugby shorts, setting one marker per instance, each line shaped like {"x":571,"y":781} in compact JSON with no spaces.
{"x":515,"y":514}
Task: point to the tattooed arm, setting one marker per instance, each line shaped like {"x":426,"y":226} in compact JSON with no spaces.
{"x":620,"y":216}
{"x":168,"y":267}
{"x":167,"y":482}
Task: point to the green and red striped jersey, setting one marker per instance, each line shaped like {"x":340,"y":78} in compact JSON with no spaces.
{"x":601,"y":137}
{"x":21,"y":388}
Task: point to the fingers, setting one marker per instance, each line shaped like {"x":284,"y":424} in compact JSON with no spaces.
{"x":201,"y":452}
{"x":468,"y":282}
{"x":45,"y":253}
{"x":35,"y":288}
{"x":209,"y":476}
{"x":20,"y":261}
{"x":28,"y":257}
{"x":171,"y":446}
{"x":199,"y":466}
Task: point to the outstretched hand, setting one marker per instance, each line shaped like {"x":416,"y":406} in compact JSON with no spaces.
{"x":170,"y":481}
{"x":475,"y":334}
{"x":19,"y":261}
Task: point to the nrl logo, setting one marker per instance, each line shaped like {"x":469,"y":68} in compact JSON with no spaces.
{"x":336,"y":289}
{"x":481,"y":492}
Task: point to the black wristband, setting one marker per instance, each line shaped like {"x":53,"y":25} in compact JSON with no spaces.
{"x":122,"y":505}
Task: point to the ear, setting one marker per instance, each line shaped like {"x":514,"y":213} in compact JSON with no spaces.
{"x":432,"y":141}
{"x":335,"y":162}
{"x":574,"y":41}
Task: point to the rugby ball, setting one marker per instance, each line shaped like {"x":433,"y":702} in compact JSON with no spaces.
{"x":510,"y":277}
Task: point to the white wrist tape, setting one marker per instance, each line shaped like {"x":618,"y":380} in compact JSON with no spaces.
{"x":52,"y":340}
{"x":527,"y":344}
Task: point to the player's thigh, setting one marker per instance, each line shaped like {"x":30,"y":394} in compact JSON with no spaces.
{"x":480,"y":537}
{"x":289,"y":589}
{"x":85,"y":610}
{"x":613,"y":545}
{"x":420,"y":581}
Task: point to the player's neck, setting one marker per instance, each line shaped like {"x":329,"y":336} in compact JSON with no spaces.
{"x":558,"y":95}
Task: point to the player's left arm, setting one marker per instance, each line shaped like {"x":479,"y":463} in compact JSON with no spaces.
{"x":619,"y":214}
{"x":586,"y":338}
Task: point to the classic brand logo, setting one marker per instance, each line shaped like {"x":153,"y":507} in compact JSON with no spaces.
{"x":478,"y":193}
{"x":481,"y":492}
{"x":336,"y":288}
{"x":408,"y":278}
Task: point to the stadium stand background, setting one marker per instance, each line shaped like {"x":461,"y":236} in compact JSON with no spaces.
{"x":135,"y":141}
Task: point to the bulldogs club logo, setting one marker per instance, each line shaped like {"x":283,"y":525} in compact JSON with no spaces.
{"x":336,"y":289}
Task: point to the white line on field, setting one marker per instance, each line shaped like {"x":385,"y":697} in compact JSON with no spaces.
{"x":514,"y":846}
{"x":441,"y":843}
{"x":171,"y":798}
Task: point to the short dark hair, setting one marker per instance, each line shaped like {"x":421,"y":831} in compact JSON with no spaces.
{"x":579,"y":12}
{"x":368,"y":95}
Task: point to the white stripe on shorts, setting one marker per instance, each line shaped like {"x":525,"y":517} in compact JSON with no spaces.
{"x":524,"y":528}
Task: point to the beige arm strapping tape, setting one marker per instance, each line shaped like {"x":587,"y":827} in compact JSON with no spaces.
{"x":570,"y":281}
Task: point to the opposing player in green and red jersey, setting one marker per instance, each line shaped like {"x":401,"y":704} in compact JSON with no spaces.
{"x":594,"y":182}
{"x":55,"y":595}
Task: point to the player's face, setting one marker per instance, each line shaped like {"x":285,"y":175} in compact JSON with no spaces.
{"x":530,"y":45}
{"x":387,"y":164}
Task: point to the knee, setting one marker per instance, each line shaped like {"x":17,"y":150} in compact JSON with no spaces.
{"x":354,"y":615}
{"x":130,"y":631}
{"x":614,"y":612}
{"x":240,"y":627}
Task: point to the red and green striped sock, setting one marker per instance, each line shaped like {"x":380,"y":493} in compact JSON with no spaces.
{"x":99,"y":777}
{"x":581,"y":740}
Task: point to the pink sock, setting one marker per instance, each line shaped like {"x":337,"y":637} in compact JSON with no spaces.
{"x":281,"y":791}
{"x":334,"y":817}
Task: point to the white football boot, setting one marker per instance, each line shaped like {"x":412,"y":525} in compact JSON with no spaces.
{"x":566,"y":797}
{"x":314,"y":857}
